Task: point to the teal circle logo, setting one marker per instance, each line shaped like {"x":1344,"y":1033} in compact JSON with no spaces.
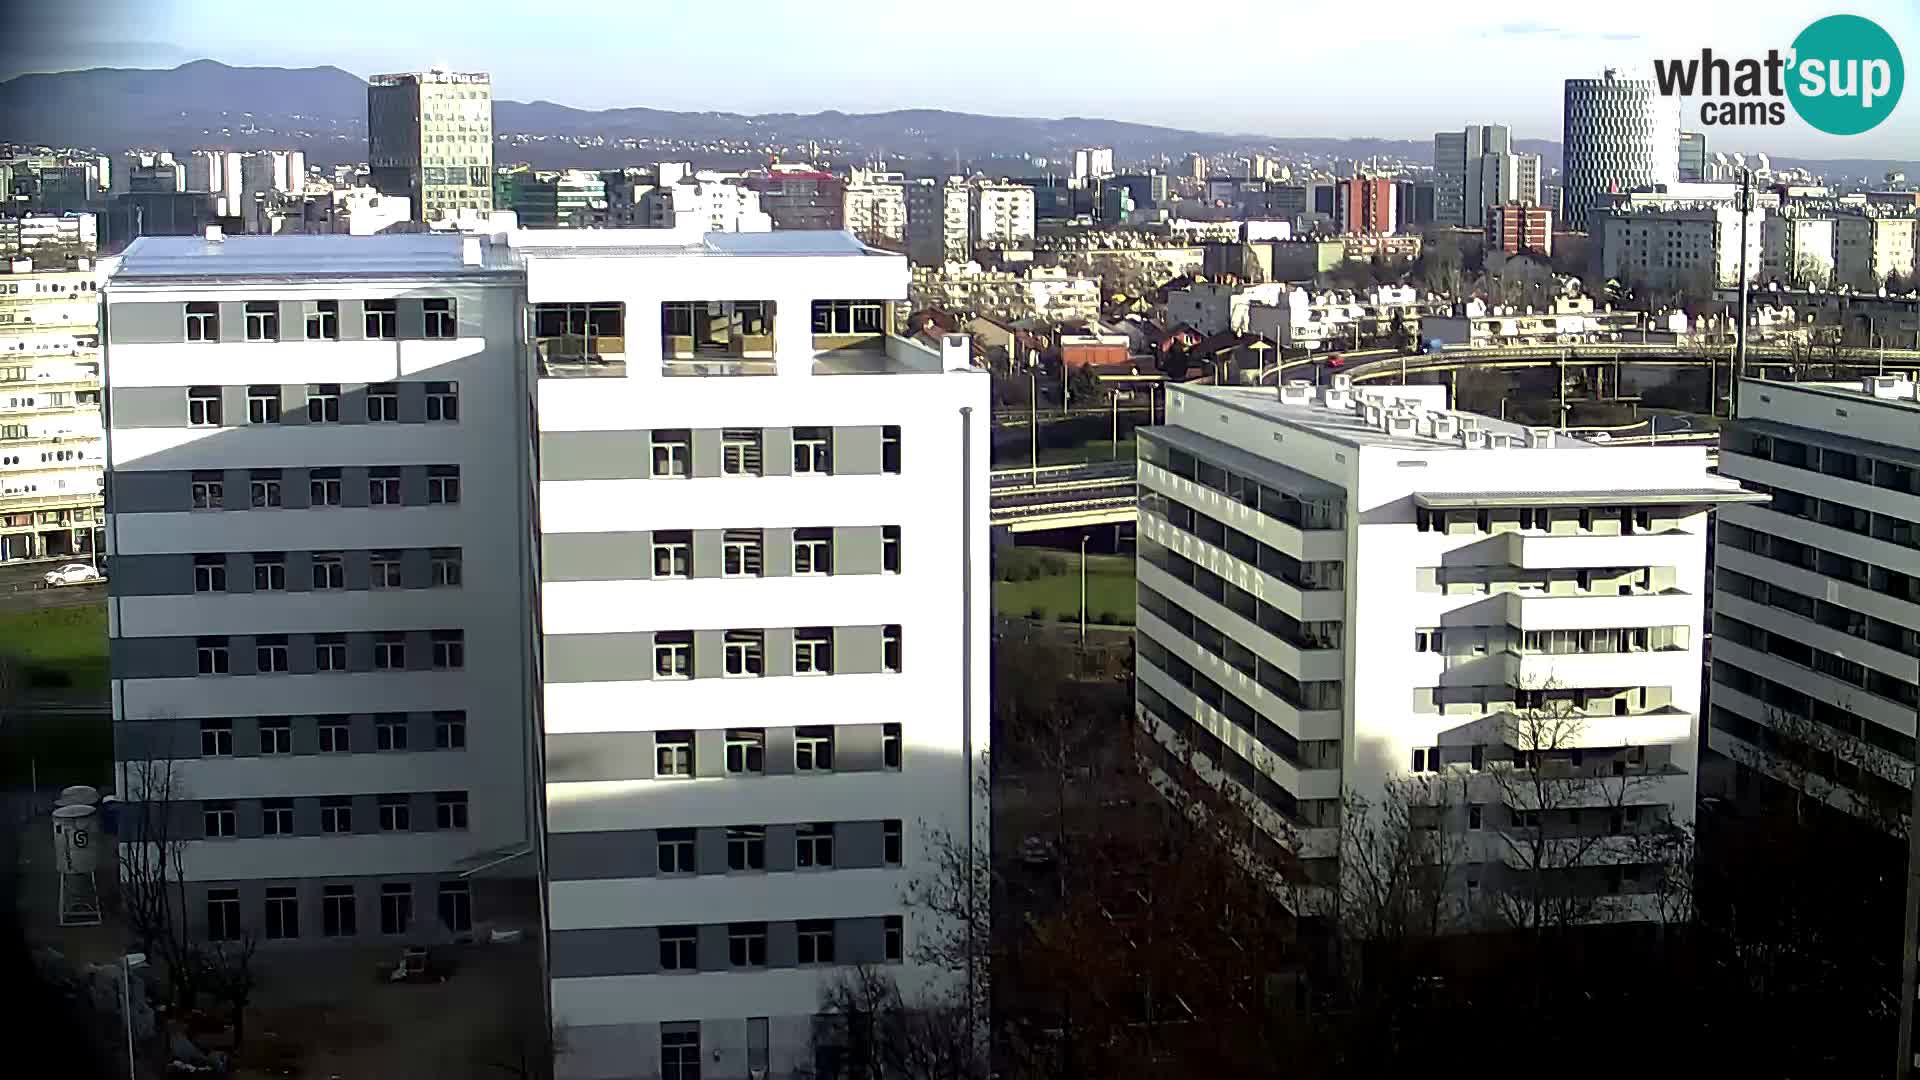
{"x":1847,"y":75}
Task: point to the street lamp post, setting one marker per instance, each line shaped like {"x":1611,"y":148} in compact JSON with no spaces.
{"x":1083,"y":590}
{"x":1116,"y":423}
{"x":128,"y":962}
{"x":1033,"y":417}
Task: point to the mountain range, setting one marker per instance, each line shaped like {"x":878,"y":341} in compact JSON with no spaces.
{"x":322,"y":110}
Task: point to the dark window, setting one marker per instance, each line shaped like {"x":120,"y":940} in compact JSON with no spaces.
{"x":396,"y":815}
{"x":263,"y":321}
{"x":223,"y":914}
{"x":203,"y":321}
{"x":383,"y":319}
{"x":443,"y":402}
{"x":203,"y":406}
{"x":323,"y":323}
{"x":676,"y":851}
{"x":746,"y":750}
{"x":896,"y":938}
{"x":450,"y":810}
{"x":892,"y":841}
{"x":813,"y":845}
{"x":396,"y":907}
{"x":440,"y":320}
{"x":747,"y":847}
{"x":816,"y":941}
{"x":450,"y":731}
{"x":216,"y":738}
{"x":890,"y":745}
{"x":456,"y":906}
{"x":263,"y":404}
{"x":276,"y":735}
{"x":338,"y":917}
{"x":890,"y":448}
{"x":390,"y":731}
{"x":383,"y":403}
{"x":323,"y":403}
{"x":747,"y":944}
{"x":890,"y":548}
{"x":680,"y":1051}
{"x":679,"y":949}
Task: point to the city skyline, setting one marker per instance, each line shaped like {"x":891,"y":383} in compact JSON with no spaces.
{"x":1381,"y":86}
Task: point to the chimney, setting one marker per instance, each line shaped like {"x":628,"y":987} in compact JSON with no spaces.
{"x":215,"y":235}
{"x":956,"y":352}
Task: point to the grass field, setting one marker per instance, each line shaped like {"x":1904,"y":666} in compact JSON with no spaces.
{"x":1109,"y":589}
{"x":58,"y":648}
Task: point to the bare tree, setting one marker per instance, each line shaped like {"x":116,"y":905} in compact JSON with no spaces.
{"x":1400,"y":860}
{"x":227,"y":973}
{"x":153,"y":873}
{"x":865,"y":1030}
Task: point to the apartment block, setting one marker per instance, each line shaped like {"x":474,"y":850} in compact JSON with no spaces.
{"x":52,"y":450}
{"x":1344,"y":587}
{"x":647,"y":563}
{"x":1520,"y":228}
{"x":939,"y":222}
{"x":1817,"y":597}
{"x":876,"y":212}
{"x":430,"y":140}
{"x":1003,"y":216}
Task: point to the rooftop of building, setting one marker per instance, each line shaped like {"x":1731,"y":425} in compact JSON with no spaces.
{"x":1330,"y":414}
{"x":1890,"y":391}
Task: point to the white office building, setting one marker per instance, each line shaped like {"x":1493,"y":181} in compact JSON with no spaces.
{"x":1619,"y":134}
{"x":1476,"y":168}
{"x":1003,"y":216}
{"x":1817,"y":600}
{"x":1343,"y":587}
{"x":1696,"y":245}
{"x":1092,"y":163}
{"x":651,"y":561}
{"x":51,"y":448}
{"x":718,"y":206}
{"x":876,"y":212}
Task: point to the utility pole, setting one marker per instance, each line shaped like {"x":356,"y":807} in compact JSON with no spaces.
{"x":1116,"y":423}
{"x":1740,"y":332}
{"x":1033,"y":417}
{"x":1910,"y":943}
{"x":1083,"y":594}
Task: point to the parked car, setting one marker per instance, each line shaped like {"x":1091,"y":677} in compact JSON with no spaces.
{"x":78,"y":573}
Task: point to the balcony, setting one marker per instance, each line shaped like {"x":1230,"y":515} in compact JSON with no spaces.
{"x":1530,"y":610}
{"x":717,"y":337}
{"x":1577,"y":551}
{"x":1654,"y":667}
{"x":580,"y":340}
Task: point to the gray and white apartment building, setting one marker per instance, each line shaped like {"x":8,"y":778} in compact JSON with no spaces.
{"x":651,"y":554}
{"x":1816,"y":607}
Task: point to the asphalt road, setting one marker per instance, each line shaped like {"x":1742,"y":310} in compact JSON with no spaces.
{"x":23,"y":588}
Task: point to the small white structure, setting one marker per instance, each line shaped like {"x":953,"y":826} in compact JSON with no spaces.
{"x":76,"y":857}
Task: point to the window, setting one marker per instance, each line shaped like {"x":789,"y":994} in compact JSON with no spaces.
{"x":383,"y":486}
{"x":895,"y":933}
{"x":673,"y":754}
{"x":673,"y":553}
{"x":890,"y":745}
{"x":396,"y":907}
{"x":390,"y":731}
{"x":1426,"y":641}
{"x":276,"y":735}
{"x":263,"y":320}
{"x":443,"y":485}
{"x":744,"y":652}
{"x":746,"y":750}
{"x":209,"y":491}
{"x":330,"y":652}
{"x":209,"y":573}
{"x":263,"y":489}
{"x":892,"y":841}
{"x":813,"y":651}
{"x":747,"y":847}
{"x":383,"y":319}
{"x":263,"y":404}
{"x":203,"y":406}
{"x":223,"y":914}
{"x":329,"y":570}
{"x":323,"y":487}
{"x":679,"y":948}
{"x":203,"y":322}
{"x":747,"y":944}
{"x":740,"y":451}
{"x":890,"y":648}
{"x":679,"y":1045}
{"x":1473,"y":815}
{"x":676,"y":851}
{"x":323,"y":403}
{"x":673,"y":655}
{"x":671,"y":452}
{"x":813,"y":749}
{"x":816,"y":941}
{"x":812,"y":450}
{"x":269,"y":571}
{"x":395,"y":814}
{"x":336,"y":814}
{"x":218,"y":819}
{"x":450,"y":810}
{"x":390,"y":651}
{"x":890,"y":448}
{"x":383,"y":569}
{"x":383,"y":403}
{"x":813,"y":846}
{"x":337,"y":915}
{"x":212,"y":655}
{"x":323,"y":323}
{"x":440,"y":318}
{"x":443,"y":402}
{"x":283,"y":910}
{"x":813,"y":551}
{"x":846,"y":317}
{"x":449,"y":650}
{"x":456,"y":906}
{"x":335,"y":735}
{"x":216,"y":738}
{"x":450,"y":730}
{"x":740,"y":551}
{"x":890,"y":549}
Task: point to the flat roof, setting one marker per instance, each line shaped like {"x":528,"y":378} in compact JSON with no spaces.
{"x":1851,"y":389}
{"x":1351,"y":427}
{"x":295,"y":255}
{"x":1728,"y":492}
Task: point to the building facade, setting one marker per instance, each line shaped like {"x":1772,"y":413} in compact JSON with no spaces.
{"x":939,"y":222}
{"x":430,"y":140}
{"x":1341,"y":589}
{"x":52,"y":451}
{"x":1365,"y":206}
{"x":1817,"y":596}
{"x":1519,"y":228}
{"x":1002,"y":216}
{"x":876,"y":212}
{"x":1619,"y":134}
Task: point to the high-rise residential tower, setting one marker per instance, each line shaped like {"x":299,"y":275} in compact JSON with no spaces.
{"x":1619,"y":134}
{"x":430,"y":139}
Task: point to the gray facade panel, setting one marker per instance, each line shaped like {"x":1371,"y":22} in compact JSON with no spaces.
{"x":621,"y":556}
{"x":240,"y":572}
{"x":856,"y":650}
{"x":353,"y":324}
{"x":856,"y":549}
{"x":776,"y":451}
{"x":155,"y":492}
{"x":306,"y":816}
{"x":150,"y":406}
{"x":353,"y":486}
{"x":706,"y":452}
{"x":588,"y":856}
{"x":709,"y":745}
{"x":609,"y":755}
{"x":860,"y":941}
{"x":595,"y":455}
{"x":300,"y":572}
{"x":783,"y":945}
{"x":357,"y":569}
{"x":416,"y":568}
{"x":293,"y":403}
{"x":413,"y":395}
{"x":779,"y":655}
{"x":411,"y":321}
{"x":152,"y":575}
{"x":131,"y":323}
{"x":233,"y":406}
{"x":707,"y":646}
{"x":152,"y":657}
{"x":366,"y":815}
{"x":712,"y":938}
{"x":293,"y":327}
{"x":419,"y":650}
{"x":780,"y":855}
{"x":856,"y":451}
{"x":710,"y":850}
{"x":856,"y":748}
{"x":709,"y":552}
{"x":353,"y":403}
{"x":858,"y":845}
{"x":233,"y":321}
{"x":621,"y":950}
{"x":598,"y":657}
{"x":247,"y":819}
{"x":413,"y":485}
{"x":777,"y":552}
{"x":779,"y":756}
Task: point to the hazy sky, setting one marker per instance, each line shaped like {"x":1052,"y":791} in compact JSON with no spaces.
{"x":1390,"y":68}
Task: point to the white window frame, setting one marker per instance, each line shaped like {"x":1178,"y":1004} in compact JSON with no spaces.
{"x":329,"y":572}
{"x":440,"y":319}
{"x":742,"y":553}
{"x":810,"y":649}
{"x":673,"y":658}
{"x":204,"y":408}
{"x":811,"y":747}
{"x":746,"y":745}
{"x":890,"y":549}
{"x":811,"y":841}
{"x":276,"y":820}
{"x":447,"y":568}
{"x":443,"y":488}
{"x":745,"y":655}
{"x":449,"y":650}
{"x":813,"y":454}
{"x":395,"y":813}
{"x":383,"y":403}
{"x":384,"y":571}
{"x":324,"y":491}
{"x":212,"y":659}
{"x":382,"y":323}
{"x":815,"y":552}
{"x":742,"y":452}
{"x":384,"y":490}
{"x":389,"y":655}
{"x":336,"y":736}
{"x":263,"y":408}
{"x":326,"y":401}
{"x":323,"y":322}
{"x":219,"y":822}
{"x":389,"y":735}
{"x":276,"y":736}
{"x":221,"y":741}
{"x":451,"y":811}
{"x":890,"y":643}
{"x":684,"y":942}
{"x":203,"y":326}
{"x":815,"y":936}
{"x":751,"y":938}
{"x":336,"y":818}
{"x":678,"y":556}
{"x":673,"y":755}
{"x":264,"y":494}
{"x":450,"y":731}
{"x":443,"y":403}
{"x":270,"y":575}
{"x":209,"y":494}
{"x":210,"y":577}
{"x":672,"y":459}
{"x":272,"y":658}
{"x":751,"y":843}
{"x":680,"y":843}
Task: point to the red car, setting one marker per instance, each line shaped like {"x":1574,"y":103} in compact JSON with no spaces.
{"x":1336,"y":361}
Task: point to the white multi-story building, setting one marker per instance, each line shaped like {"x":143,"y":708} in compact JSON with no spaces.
{"x":1663,"y":247}
{"x":1797,"y":251}
{"x":1866,"y":249}
{"x":51,"y":448}
{"x":1619,"y":134}
{"x":1818,"y":595}
{"x":1092,"y":163}
{"x":938,"y":222}
{"x":365,"y":610}
{"x":876,"y":211}
{"x":1049,"y":293}
{"x":69,"y":234}
{"x":1341,"y":588}
{"x":1003,"y":216}
{"x":716,"y":204}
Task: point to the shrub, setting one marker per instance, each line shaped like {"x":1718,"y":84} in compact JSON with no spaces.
{"x":1037,"y":614}
{"x":1108,"y":618}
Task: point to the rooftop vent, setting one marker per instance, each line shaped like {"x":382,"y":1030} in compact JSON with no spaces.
{"x":1889,"y":387}
{"x":1296,"y":392}
{"x":1337,"y":399}
{"x":1342,"y":381}
{"x":1540,"y":437}
{"x":1445,"y":425}
{"x":1473,"y":439}
{"x":1398,"y":423}
{"x":215,"y":235}
{"x":1498,"y":440}
{"x":470,"y":250}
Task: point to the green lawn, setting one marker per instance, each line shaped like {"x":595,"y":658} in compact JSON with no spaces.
{"x":1109,"y":589}
{"x":58,"y":647}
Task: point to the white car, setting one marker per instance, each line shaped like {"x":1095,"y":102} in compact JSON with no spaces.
{"x":78,"y":573}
